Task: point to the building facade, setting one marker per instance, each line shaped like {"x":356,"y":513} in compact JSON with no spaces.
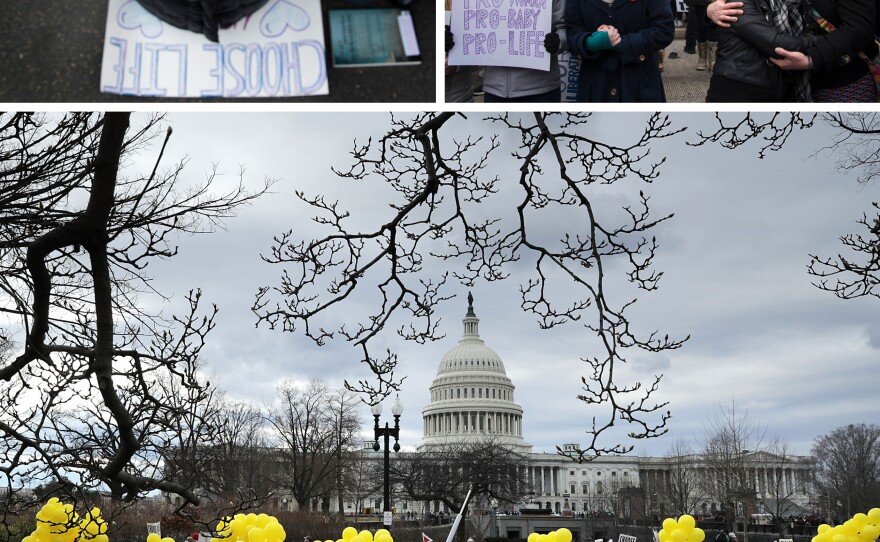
{"x":472,"y":398}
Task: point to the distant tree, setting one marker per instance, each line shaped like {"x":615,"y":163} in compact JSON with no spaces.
{"x":232,"y":461}
{"x":559,"y":223}
{"x":681,"y":491}
{"x":847,"y":468}
{"x":314,"y":429}
{"x":242,"y":458}
{"x":784,"y":482}
{"x":76,"y":238}
{"x":446,"y":472}
{"x":343,"y":406}
{"x":730,"y":442}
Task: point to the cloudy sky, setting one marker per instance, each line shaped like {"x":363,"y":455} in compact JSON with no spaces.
{"x":734,"y":257}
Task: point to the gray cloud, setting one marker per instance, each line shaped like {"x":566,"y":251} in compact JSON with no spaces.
{"x":734,"y":260}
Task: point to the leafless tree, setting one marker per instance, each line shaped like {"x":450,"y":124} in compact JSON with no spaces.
{"x":76,"y":239}
{"x":232,"y":461}
{"x":730,"y":442}
{"x":444,"y":224}
{"x":346,"y":423}
{"x":847,"y":468}
{"x":315,"y":429}
{"x":785,"y":480}
{"x":446,"y":472}
{"x":855,"y":148}
{"x":681,"y":491}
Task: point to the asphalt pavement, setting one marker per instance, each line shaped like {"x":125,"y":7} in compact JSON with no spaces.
{"x":51,"y":50}
{"x":681,"y":80}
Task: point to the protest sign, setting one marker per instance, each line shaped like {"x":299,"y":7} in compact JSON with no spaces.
{"x":569,"y":72}
{"x":500,"y":33}
{"x":277,"y":51}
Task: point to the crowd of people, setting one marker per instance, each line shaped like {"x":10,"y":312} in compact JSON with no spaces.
{"x":756,"y":50}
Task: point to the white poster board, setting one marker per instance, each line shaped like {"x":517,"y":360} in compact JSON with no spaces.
{"x":681,"y":6}
{"x":500,"y":33}
{"x":277,"y":51}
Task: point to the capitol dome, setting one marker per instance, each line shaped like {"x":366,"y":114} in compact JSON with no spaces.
{"x":471,"y":396}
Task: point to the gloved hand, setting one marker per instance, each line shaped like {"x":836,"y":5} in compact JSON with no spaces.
{"x":551,"y":42}
{"x":598,"y":41}
{"x":450,"y":39}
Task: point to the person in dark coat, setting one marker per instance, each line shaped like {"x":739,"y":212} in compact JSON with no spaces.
{"x":617,"y":41}
{"x":837,"y":73}
{"x":741,"y":72}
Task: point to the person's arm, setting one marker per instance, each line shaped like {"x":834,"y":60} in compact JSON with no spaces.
{"x":558,"y":23}
{"x":576,"y":31}
{"x":854,"y":34}
{"x":722,"y":13}
{"x":753,"y":28}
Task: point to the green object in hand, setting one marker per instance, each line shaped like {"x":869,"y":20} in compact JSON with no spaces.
{"x":599,"y":41}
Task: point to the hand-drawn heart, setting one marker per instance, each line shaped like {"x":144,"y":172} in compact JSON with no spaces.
{"x":282,"y":15}
{"x":132,"y":16}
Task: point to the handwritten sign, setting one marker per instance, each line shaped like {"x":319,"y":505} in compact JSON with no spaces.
{"x":277,"y":51}
{"x":501,"y":33}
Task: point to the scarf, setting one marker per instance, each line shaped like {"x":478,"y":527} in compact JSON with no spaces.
{"x":790,"y":20}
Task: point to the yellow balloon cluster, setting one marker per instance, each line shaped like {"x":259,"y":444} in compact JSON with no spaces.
{"x":350,"y":534}
{"x":58,"y":522}
{"x":859,"y":528}
{"x":559,"y":535}
{"x":683,"y":530}
{"x":248,"y":528}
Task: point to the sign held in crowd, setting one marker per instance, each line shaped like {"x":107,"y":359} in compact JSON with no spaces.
{"x":500,"y":33}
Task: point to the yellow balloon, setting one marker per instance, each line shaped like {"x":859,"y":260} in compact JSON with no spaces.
{"x":382,"y":537}
{"x":551,"y":536}
{"x":533,"y":537}
{"x":663,"y":535}
{"x":563,"y":535}
{"x":358,"y":538}
{"x":678,"y":535}
{"x":687,"y":522}
{"x":257,"y":534}
{"x":367,"y":535}
{"x":167,"y":539}
{"x":153,"y":537}
{"x":697,"y":535}
{"x":840,"y":537}
{"x":348,"y":533}
{"x":822,"y":528}
{"x":275,"y":532}
{"x":874,"y":516}
{"x":380,"y":532}
{"x":870,"y":532}
{"x":669,"y":524}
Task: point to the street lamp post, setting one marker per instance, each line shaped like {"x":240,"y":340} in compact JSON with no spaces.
{"x":387,"y":432}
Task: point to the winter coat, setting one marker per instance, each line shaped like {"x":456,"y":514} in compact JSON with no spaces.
{"x":743,"y":50}
{"x":835,"y":55}
{"x":507,"y":82}
{"x":631,"y":72}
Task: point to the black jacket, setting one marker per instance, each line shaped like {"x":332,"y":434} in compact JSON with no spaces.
{"x":743,"y":50}
{"x":835,"y":55}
